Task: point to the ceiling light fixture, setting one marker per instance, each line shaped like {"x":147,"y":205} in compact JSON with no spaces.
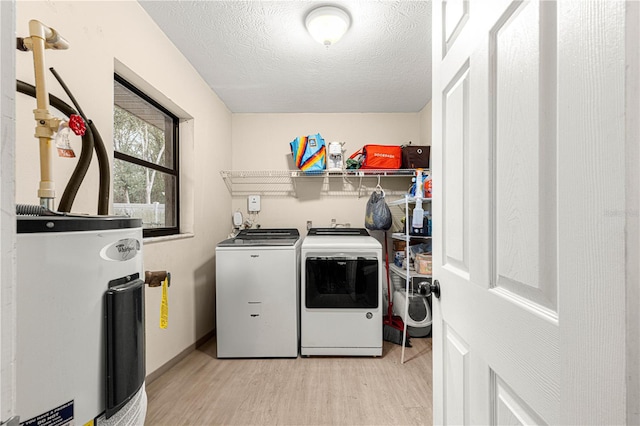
{"x":327,"y":24}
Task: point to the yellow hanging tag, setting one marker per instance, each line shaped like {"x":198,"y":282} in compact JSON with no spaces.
{"x":164,"y":305}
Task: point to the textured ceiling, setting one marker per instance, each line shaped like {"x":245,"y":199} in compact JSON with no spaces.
{"x":258,"y":57}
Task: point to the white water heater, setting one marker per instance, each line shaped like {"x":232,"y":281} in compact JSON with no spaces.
{"x":80,"y":321}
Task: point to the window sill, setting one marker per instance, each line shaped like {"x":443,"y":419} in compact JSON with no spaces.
{"x":183,"y":236}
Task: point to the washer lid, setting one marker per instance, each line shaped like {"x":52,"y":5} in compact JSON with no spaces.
{"x":264,"y":237}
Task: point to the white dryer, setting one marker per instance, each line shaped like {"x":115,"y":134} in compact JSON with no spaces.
{"x":341,"y":296}
{"x":257,"y":281}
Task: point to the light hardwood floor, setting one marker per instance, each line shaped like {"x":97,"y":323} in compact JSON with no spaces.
{"x":204,"y":390}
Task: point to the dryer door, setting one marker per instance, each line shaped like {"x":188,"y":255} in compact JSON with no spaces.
{"x":341,"y":282}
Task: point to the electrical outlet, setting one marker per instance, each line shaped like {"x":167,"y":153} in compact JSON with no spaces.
{"x":237,"y":219}
{"x":253,"y":203}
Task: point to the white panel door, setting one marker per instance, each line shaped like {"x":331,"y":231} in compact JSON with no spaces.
{"x":7,"y":215}
{"x":528,"y":166}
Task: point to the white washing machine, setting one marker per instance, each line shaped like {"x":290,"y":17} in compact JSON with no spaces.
{"x":341,"y":293}
{"x":257,"y":281}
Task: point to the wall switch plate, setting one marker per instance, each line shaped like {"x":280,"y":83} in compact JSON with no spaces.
{"x":253,"y":203}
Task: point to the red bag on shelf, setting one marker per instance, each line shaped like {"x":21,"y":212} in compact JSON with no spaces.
{"x":379,"y":157}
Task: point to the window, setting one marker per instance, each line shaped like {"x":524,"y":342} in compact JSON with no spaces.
{"x":145,"y":165}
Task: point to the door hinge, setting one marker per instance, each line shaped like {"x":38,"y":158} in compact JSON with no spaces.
{"x":13,"y":421}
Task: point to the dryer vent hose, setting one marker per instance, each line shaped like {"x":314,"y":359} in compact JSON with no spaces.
{"x":31,"y":210}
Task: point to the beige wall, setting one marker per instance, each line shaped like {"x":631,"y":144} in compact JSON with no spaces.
{"x":104,"y":35}
{"x":261,"y":142}
{"x":425,"y":124}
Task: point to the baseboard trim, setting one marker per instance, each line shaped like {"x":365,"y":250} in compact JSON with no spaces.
{"x":176,"y":359}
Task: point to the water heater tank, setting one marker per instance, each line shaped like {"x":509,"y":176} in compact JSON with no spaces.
{"x":66,"y":265}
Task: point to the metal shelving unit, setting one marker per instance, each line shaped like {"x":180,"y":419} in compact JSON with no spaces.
{"x":407,"y":272}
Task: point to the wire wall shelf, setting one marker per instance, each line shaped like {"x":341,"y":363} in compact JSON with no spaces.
{"x":291,"y":183}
